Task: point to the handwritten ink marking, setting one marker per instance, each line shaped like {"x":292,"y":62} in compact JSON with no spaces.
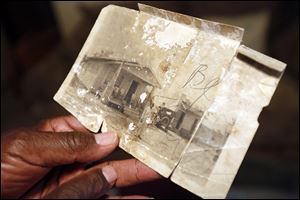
{"x":212,"y":83}
{"x":198,"y":71}
{"x":196,"y":78}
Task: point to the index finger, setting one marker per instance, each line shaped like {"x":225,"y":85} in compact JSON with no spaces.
{"x":61,"y":124}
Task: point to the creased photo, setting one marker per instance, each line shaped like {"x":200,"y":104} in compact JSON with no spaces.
{"x":182,"y":93}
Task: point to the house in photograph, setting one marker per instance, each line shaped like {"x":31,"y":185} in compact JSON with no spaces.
{"x":121,"y":85}
{"x":182,"y":121}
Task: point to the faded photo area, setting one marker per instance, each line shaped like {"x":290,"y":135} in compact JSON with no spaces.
{"x":181,"y":107}
{"x":163,"y":82}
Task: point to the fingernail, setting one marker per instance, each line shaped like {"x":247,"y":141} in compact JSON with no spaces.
{"x":105,"y":138}
{"x":110,"y":174}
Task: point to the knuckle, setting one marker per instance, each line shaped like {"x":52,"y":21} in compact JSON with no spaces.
{"x":77,"y":142}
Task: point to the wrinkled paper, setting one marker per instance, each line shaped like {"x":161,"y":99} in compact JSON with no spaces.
{"x":182,"y":93}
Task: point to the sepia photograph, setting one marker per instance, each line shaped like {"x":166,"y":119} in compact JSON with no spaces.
{"x":157,"y":99}
{"x":169,"y":108}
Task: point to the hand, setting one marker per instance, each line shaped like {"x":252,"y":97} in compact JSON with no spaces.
{"x":50,"y":161}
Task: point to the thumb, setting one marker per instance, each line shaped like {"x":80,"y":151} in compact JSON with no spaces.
{"x":91,"y":184}
{"x":49,"y":149}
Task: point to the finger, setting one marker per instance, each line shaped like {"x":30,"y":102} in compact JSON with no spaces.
{"x":91,"y":184}
{"x":129,"y":197}
{"x":61,"y":124}
{"x":52,"y":149}
{"x":131,"y":172}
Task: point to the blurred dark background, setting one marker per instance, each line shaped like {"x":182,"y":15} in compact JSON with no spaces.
{"x":41,"y":40}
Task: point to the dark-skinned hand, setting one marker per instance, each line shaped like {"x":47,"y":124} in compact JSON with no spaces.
{"x":50,"y":161}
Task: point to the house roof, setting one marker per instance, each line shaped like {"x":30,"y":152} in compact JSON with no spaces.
{"x":143,"y":72}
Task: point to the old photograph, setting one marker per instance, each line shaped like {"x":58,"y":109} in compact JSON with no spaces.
{"x":151,"y":93}
{"x":166,"y":83}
